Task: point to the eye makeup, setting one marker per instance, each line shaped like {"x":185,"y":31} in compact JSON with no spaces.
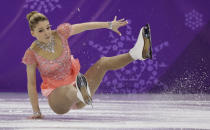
{"x":48,"y":27}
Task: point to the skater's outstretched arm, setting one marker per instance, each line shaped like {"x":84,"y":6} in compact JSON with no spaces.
{"x":32,"y":92}
{"x":114,"y":25}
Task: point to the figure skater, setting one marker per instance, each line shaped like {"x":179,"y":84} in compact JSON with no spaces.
{"x":63,"y":84}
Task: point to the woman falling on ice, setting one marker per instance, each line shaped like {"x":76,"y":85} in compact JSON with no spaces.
{"x":64,"y":86}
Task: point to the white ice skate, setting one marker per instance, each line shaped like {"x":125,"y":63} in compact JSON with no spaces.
{"x":83,"y":90}
{"x":143,"y":45}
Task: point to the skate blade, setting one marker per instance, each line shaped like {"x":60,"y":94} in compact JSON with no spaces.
{"x":147,"y":36}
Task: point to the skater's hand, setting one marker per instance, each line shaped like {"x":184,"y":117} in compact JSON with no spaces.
{"x":117,"y":24}
{"x":37,"y":116}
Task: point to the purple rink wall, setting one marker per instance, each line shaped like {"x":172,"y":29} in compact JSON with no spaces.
{"x":180,"y":38}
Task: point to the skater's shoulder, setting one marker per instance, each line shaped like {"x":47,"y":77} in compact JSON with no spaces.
{"x":33,"y":46}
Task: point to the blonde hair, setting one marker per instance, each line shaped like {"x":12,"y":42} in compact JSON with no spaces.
{"x":34,"y":17}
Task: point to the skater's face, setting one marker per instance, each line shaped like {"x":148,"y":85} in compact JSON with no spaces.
{"x":42,"y":31}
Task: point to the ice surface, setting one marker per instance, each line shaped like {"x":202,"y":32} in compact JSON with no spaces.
{"x":136,"y":111}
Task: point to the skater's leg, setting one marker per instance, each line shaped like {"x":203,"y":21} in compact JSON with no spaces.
{"x":141,"y":51}
{"x":63,"y":98}
{"x":96,"y":72}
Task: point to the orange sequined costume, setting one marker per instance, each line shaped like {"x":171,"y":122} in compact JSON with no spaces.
{"x":59,"y":72}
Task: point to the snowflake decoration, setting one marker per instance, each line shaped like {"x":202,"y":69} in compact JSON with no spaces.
{"x":140,"y":74}
{"x":193,"y":20}
{"x":39,"y":5}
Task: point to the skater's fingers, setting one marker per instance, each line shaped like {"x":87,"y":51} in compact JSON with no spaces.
{"x":30,"y":117}
{"x":120,"y":20}
{"x":39,"y":117}
{"x":124,"y":23}
{"x":115,"y":18}
{"x":118,"y":32}
{"x":35,"y":117}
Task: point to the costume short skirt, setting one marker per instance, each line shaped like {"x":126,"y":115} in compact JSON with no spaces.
{"x":48,"y":85}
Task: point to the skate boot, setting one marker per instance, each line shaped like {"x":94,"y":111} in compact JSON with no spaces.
{"x":83,"y":90}
{"x":143,"y":47}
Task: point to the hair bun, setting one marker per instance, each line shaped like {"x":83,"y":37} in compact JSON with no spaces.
{"x":29,"y":15}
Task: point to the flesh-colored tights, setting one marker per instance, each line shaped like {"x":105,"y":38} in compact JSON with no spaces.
{"x":62,"y":99}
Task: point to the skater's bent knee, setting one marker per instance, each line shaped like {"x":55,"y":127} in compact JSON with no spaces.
{"x":101,"y":64}
{"x":102,"y":60}
{"x":61,"y":111}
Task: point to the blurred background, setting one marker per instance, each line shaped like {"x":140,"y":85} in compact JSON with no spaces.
{"x":180,"y":38}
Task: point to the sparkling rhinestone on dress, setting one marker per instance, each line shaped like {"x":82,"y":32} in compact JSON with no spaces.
{"x":50,"y":47}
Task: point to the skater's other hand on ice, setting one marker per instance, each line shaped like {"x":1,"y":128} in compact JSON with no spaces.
{"x":36,"y":117}
{"x":117,"y":24}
